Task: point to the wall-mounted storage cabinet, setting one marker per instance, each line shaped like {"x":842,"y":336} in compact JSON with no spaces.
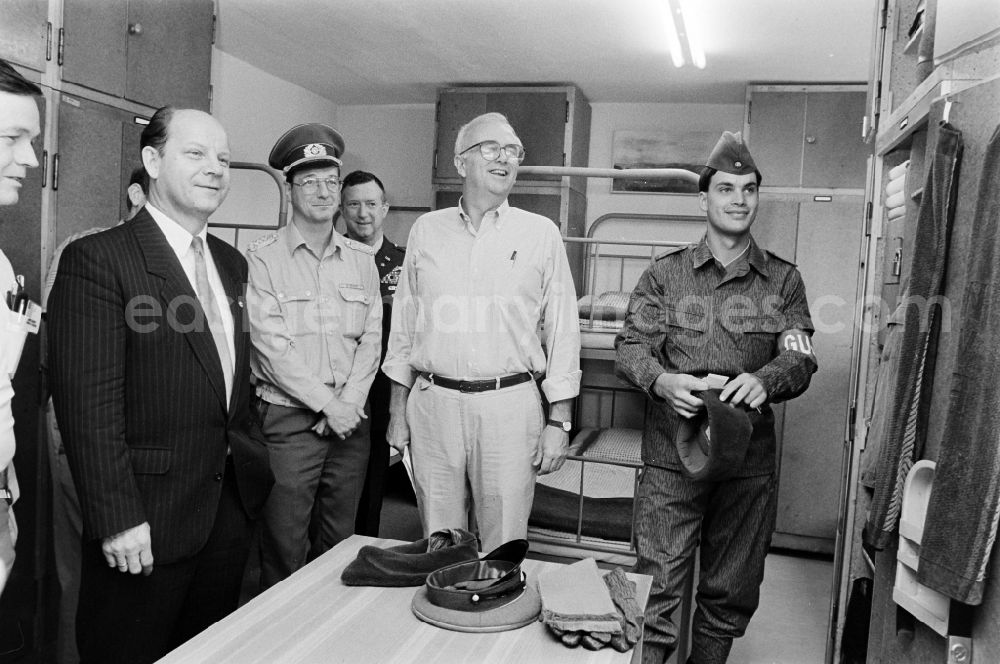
{"x":146,"y":51}
{"x":26,"y":32}
{"x":808,"y":136}
{"x":98,"y":148}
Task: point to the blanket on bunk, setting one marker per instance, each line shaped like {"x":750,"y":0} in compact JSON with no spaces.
{"x":610,"y":306}
{"x":607,"y":489}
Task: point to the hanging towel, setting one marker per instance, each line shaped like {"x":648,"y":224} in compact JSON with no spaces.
{"x":964,"y":506}
{"x":904,"y":430}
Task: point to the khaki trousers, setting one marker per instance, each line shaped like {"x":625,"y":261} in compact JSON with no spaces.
{"x":475,"y":450}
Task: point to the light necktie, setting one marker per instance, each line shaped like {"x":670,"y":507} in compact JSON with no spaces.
{"x":212,"y":314}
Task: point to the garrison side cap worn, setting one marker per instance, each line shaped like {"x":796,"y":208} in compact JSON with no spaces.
{"x":312,"y":143}
{"x":713,"y":444}
{"x":731,"y":155}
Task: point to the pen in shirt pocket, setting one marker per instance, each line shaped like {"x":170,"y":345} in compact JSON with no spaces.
{"x":513,"y":257}
{"x":16,"y":295}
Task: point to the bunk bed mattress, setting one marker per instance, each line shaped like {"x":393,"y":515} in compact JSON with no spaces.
{"x":601,"y":318}
{"x":608,"y":488}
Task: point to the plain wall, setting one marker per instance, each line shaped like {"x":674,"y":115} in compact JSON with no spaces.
{"x":256,"y":108}
{"x":665,"y":119}
{"x":396,"y":143}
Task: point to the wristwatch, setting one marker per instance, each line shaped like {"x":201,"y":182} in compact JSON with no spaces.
{"x":565,"y":426}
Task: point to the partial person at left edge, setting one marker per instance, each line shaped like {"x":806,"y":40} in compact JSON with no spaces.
{"x":149,"y":361}
{"x":20,"y":124}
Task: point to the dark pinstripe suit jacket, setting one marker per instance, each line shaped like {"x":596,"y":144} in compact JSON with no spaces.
{"x":139,"y":391}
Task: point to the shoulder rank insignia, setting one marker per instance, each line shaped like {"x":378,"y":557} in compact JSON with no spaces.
{"x":359,"y":246}
{"x":263,"y":241}
{"x":777,"y":257}
{"x":671,"y":251}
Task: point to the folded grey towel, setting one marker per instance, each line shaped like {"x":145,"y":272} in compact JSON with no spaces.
{"x":409,"y":564}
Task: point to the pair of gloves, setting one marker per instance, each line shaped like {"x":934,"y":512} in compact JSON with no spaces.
{"x":582,"y":608}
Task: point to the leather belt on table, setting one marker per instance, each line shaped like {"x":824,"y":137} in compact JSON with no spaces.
{"x":482,"y":385}
{"x":483,"y":584}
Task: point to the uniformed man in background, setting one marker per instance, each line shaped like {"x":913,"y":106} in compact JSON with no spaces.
{"x":364,"y":206}
{"x":721,"y":306}
{"x":316,"y":325}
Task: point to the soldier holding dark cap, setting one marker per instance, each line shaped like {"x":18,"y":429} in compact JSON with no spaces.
{"x":722,"y":306}
{"x":316,"y":326}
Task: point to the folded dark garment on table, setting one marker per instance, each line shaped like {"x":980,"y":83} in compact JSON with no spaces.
{"x":409,"y":564}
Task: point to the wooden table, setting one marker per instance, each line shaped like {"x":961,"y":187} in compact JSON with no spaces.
{"x":313,"y":617}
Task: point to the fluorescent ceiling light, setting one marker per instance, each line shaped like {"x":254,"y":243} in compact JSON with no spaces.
{"x":684,"y":34}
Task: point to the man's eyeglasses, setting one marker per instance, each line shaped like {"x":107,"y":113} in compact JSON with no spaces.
{"x":311,"y":185}
{"x":491,"y":151}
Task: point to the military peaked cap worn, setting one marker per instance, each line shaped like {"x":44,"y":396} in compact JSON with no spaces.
{"x":731,"y":155}
{"x":307,"y":144}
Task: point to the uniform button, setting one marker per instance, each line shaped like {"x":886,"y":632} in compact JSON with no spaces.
{"x":218,"y":477}
{"x":308,"y":293}
{"x":281,"y":295}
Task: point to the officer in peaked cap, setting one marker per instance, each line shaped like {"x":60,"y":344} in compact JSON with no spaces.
{"x":722,"y":306}
{"x":311,"y":143}
{"x":316,"y":327}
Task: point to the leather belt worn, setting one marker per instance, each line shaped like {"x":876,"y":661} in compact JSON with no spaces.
{"x":479,"y":585}
{"x":5,"y":492}
{"x":482,"y":385}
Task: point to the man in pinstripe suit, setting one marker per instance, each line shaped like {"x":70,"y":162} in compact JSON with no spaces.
{"x":149,"y":361}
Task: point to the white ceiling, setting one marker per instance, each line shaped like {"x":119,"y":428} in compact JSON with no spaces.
{"x":401,"y":51}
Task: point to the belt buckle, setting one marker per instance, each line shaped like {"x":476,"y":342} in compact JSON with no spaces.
{"x":7,"y":495}
{"x":467,"y":387}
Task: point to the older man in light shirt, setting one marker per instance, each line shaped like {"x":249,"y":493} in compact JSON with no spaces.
{"x":465,"y":351}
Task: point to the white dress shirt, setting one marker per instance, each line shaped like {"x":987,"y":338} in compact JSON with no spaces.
{"x":179,"y":240}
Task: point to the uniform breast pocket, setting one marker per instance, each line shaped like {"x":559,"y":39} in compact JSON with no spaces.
{"x":354,"y":308}
{"x":301,"y":319}
{"x":686,"y":328}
